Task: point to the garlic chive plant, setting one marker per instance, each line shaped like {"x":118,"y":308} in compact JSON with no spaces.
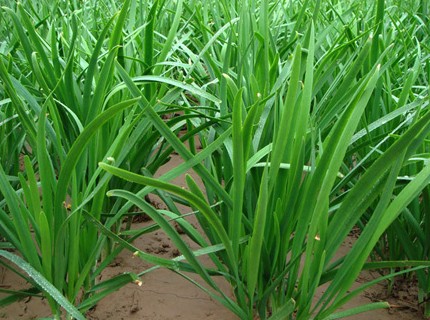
{"x":312,"y":116}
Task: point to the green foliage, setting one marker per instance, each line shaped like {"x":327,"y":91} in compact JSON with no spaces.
{"x":312,"y":116}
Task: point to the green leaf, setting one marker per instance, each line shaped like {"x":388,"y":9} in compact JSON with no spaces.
{"x":43,"y":283}
{"x":358,"y":310}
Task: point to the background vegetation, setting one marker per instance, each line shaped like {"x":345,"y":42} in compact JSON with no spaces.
{"x":313,"y":118}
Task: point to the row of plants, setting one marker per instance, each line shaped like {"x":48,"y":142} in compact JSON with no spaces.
{"x":312,"y":117}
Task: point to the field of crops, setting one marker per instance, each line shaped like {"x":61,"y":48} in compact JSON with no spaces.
{"x":297,"y":122}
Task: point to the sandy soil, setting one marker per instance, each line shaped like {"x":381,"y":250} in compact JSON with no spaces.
{"x":165,"y":295}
